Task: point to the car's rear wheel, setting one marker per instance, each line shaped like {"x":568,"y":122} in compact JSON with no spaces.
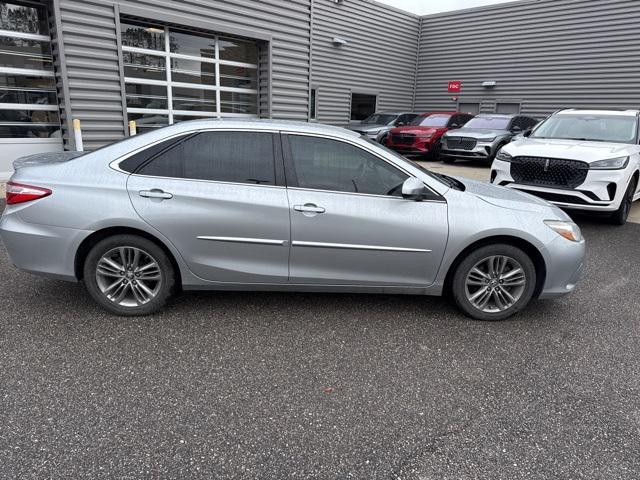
{"x":620,"y":216}
{"x":129,"y":275}
{"x":494,"y":282}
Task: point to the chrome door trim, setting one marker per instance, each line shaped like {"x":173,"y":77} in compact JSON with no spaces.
{"x":348,"y":246}
{"x":258,"y":241}
{"x":388,"y":197}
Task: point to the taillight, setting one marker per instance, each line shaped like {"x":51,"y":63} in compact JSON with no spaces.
{"x":20,"y":193}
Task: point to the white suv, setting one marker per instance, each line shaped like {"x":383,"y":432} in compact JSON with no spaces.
{"x":577,"y":159}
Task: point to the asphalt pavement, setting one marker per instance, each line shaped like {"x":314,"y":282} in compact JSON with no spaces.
{"x":275,"y":385}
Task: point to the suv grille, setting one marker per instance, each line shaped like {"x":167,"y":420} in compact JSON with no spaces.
{"x":461,"y":143}
{"x":549,"y":172}
{"x":403,"y":138}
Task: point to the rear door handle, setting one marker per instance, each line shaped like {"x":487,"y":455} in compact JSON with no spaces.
{"x":309,"y":208}
{"x":155,"y":193}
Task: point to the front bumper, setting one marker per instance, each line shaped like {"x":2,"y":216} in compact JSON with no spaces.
{"x":41,"y":249}
{"x":564,"y":261}
{"x":594,"y":194}
{"x":482,"y":151}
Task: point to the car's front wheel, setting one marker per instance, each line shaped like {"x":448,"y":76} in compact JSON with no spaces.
{"x":129,"y":275}
{"x":494,"y":282}
{"x":620,"y":216}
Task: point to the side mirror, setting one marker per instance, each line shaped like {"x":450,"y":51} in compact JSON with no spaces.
{"x":527,"y":133}
{"x":413,"y":189}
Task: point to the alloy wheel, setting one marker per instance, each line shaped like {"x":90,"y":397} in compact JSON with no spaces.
{"x":495,"y":284}
{"x":128,"y":276}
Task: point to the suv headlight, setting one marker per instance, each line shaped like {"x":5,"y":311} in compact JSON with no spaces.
{"x":486,"y":139}
{"x":610,"y":164}
{"x":504,"y":156}
{"x":568,"y":230}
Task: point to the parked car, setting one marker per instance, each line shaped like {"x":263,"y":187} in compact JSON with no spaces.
{"x":266,"y":205}
{"x":422,"y":135}
{"x":483,"y":136}
{"x":578,"y":159}
{"x":377,"y":126}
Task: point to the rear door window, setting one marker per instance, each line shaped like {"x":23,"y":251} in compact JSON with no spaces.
{"x":236,"y":157}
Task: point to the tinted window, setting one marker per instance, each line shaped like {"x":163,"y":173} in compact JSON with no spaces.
{"x":326,"y":164}
{"x":362,"y":105}
{"x":239,"y":157}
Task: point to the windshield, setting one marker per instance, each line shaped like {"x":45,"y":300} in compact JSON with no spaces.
{"x":431,"y":121}
{"x":489,"y":123}
{"x":592,"y":128}
{"x":379,"y":119}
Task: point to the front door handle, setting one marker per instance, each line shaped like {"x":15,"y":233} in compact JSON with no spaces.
{"x":309,"y":208}
{"x":155,"y":193}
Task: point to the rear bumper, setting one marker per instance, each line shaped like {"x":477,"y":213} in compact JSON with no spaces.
{"x":41,"y":249}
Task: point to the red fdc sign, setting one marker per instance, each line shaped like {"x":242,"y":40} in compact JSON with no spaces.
{"x":455,"y":86}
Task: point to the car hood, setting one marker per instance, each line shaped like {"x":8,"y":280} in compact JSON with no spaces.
{"x":418,"y":130}
{"x":569,"y":149}
{"x":476,"y":133}
{"x":510,"y":199}
{"x":45,"y":159}
{"x":368,"y":128}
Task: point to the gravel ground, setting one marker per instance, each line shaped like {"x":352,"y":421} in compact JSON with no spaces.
{"x":257,"y":385}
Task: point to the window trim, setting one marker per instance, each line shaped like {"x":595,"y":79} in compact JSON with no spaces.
{"x":292,"y":178}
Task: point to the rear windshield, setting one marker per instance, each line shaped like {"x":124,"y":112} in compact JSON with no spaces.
{"x":489,"y":123}
{"x":592,"y":128}
{"x":431,"y":121}
{"x":379,"y":119}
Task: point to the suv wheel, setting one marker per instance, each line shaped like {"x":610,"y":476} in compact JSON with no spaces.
{"x":129,"y":275}
{"x":619,"y":217}
{"x":494,"y":282}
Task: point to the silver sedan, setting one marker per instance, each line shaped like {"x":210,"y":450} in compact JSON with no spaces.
{"x":266,"y":205}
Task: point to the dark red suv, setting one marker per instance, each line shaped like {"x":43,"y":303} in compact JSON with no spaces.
{"x":422,"y":135}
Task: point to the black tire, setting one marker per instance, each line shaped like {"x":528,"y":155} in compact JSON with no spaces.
{"x":620,"y":216}
{"x":163,"y":289}
{"x":434,"y":153}
{"x":459,"y":283}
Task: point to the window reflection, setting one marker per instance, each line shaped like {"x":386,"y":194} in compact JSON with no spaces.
{"x":148,"y":37}
{"x":23,"y":18}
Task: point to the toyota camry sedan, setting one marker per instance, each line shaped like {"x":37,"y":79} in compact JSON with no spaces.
{"x":266,"y":205}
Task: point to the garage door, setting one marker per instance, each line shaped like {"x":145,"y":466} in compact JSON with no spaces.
{"x":29,"y":119}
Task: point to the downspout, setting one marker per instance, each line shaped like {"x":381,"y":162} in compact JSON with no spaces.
{"x":311,"y":23}
{"x":415,"y":76}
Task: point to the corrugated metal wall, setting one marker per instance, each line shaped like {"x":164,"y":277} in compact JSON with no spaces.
{"x":379,"y":57}
{"x":91,"y":55}
{"x":548,"y":54}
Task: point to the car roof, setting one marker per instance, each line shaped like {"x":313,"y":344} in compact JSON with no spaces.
{"x":261,"y":124}
{"x":627,"y":113}
{"x":499,"y":115}
{"x":426,"y":114}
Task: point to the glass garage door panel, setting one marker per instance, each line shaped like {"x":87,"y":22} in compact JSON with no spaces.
{"x":172,"y":75}
{"x":28,"y":100}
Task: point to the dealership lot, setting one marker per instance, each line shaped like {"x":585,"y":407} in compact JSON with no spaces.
{"x":258,"y":385}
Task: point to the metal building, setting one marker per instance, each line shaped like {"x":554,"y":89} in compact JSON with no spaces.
{"x":106,"y":62}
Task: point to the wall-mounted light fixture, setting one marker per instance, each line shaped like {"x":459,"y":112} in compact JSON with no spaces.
{"x":491,"y":84}
{"x":338,"y":42}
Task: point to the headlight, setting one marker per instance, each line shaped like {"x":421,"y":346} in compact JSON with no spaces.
{"x":504,"y":156}
{"x":568,"y":230}
{"x":486,"y":139}
{"x":372,"y":132}
{"x":610,"y":164}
